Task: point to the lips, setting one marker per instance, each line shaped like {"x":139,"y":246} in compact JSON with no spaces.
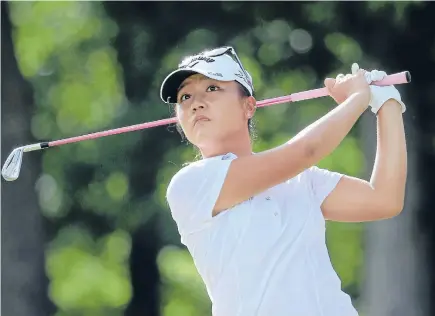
{"x":200,"y":118}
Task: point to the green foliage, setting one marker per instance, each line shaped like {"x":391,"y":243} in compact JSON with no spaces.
{"x":183,"y":292}
{"x":399,"y":9}
{"x":65,"y":49}
{"x":88,"y":274}
{"x":344,"y":48}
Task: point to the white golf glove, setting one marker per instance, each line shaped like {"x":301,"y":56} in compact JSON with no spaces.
{"x":379,"y":95}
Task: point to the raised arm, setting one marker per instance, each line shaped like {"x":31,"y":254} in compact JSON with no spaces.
{"x":249,"y":176}
{"x":357,"y":200}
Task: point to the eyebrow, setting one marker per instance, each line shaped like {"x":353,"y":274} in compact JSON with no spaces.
{"x":188,"y":82}
{"x":182,"y":86}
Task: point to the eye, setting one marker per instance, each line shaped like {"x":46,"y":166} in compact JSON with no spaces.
{"x":184,"y":97}
{"x":213,"y":88}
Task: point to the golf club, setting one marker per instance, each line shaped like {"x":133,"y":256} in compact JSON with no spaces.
{"x":12,"y":166}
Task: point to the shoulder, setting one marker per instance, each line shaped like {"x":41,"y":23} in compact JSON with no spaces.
{"x":321,"y":182}
{"x":193,"y":191}
{"x":315,"y":179}
{"x":191,"y":173}
{"x":314,"y":173}
{"x":196,"y":175}
{"x":304,"y":177}
{"x":183,"y":177}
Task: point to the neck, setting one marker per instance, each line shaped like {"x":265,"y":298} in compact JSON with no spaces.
{"x":240,"y":145}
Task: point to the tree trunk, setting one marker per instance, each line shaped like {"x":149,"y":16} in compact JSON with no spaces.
{"x":145,"y":277}
{"x":24,"y":284}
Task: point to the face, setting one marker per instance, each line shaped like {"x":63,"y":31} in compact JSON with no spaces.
{"x":211,"y":111}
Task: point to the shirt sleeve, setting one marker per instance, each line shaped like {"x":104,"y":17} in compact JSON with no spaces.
{"x":193,"y":192}
{"x":321,"y":183}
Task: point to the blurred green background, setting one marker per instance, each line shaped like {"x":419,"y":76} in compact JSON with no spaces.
{"x":86,"y":229}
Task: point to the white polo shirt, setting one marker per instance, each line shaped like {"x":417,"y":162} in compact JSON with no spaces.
{"x":266,"y":256}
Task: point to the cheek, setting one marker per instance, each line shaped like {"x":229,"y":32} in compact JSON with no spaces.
{"x":233,"y":111}
{"x":182,"y":119}
{"x":229,"y":120}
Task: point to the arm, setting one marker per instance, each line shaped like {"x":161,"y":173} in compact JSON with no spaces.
{"x":356,"y":200}
{"x":249,"y":176}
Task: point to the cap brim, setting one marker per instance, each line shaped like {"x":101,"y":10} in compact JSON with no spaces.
{"x":172,"y":82}
{"x":168,"y":91}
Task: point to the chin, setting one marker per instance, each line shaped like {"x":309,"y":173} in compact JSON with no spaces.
{"x":207,"y":137}
{"x":206,"y":141}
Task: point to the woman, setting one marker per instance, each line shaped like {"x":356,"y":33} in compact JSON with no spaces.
{"x":255,"y":223}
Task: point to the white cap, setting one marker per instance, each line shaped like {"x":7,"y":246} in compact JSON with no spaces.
{"x":222,"y":68}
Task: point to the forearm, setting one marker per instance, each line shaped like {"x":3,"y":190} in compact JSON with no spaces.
{"x":390,"y":169}
{"x":324,"y":135}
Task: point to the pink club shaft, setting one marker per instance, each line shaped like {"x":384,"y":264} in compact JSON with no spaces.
{"x":397,"y":78}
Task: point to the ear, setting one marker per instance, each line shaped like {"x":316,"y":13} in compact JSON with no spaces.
{"x":250,"y":107}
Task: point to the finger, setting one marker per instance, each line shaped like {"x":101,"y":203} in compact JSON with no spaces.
{"x":377,"y":75}
{"x":360,"y":72}
{"x":368,"y":77}
{"x":374,"y":75}
{"x":329,"y":83}
{"x":339,"y":76}
{"x":355,"y":68}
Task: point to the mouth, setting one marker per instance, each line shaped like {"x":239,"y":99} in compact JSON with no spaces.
{"x":200,"y":118}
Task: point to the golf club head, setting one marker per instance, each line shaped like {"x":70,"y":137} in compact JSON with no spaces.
{"x":12,"y":166}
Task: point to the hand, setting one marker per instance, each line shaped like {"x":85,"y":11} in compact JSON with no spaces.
{"x":344,"y":86}
{"x":379,"y":95}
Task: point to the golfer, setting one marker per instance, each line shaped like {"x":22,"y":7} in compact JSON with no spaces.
{"x":254,"y":223}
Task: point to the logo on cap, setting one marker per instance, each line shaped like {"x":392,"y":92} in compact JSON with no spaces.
{"x":217,"y":74}
{"x":195,"y":60}
{"x":241,"y":75}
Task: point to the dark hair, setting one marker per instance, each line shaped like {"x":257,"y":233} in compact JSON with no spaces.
{"x":243,"y":93}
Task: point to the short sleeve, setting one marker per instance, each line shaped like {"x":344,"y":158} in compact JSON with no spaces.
{"x":193,"y":192}
{"x":322,"y":182}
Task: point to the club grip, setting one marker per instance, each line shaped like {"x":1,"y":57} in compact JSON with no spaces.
{"x":398,"y":78}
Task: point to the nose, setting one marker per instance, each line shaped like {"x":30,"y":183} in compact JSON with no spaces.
{"x":197,"y":103}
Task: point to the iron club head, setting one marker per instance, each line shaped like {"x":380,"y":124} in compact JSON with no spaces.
{"x":12,"y":166}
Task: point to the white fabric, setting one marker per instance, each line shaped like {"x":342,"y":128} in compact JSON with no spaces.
{"x":379,"y":94}
{"x":266,"y":256}
{"x":222,"y":68}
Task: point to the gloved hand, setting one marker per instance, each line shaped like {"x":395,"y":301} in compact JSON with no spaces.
{"x":379,"y":95}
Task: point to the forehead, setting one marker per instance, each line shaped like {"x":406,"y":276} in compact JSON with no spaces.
{"x":193,"y":79}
